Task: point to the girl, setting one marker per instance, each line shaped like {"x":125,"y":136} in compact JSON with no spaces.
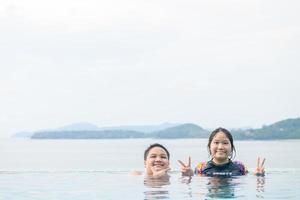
{"x":221,"y":148}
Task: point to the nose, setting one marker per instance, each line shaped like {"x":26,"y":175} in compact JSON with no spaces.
{"x":158,"y":158}
{"x":220,"y":145}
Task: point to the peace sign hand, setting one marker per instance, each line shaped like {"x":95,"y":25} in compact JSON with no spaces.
{"x":186,"y":170}
{"x":260,"y":170}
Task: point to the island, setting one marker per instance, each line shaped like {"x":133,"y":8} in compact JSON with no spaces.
{"x":285,"y":129}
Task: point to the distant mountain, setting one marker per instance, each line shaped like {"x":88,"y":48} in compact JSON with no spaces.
{"x":182,"y":131}
{"x":85,"y":126}
{"x":285,"y":129}
{"x":142,"y":128}
{"x":100,"y":134}
{"x":23,"y":135}
{"x":71,"y":127}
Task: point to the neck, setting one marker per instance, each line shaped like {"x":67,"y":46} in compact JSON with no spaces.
{"x":220,"y":162}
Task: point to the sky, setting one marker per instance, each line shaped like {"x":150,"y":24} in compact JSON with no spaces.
{"x":142,"y":62}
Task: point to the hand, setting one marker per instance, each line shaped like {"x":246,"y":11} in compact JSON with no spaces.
{"x":136,"y":173}
{"x":260,"y":170}
{"x":160,"y":172}
{"x":186,"y":170}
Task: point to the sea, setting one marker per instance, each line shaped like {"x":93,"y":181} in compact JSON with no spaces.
{"x":100,"y":169}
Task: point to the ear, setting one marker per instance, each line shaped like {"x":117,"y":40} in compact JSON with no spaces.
{"x":145,"y":163}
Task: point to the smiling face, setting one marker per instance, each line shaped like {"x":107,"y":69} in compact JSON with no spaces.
{"x":220,"y":148}
{"x":156,"y":160}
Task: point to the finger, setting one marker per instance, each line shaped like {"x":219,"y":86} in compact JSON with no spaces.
{"x":184,"y":169}
{"x":181,"y":163}
{"x":262,"y":163}
{"x":163,"y":171}
{"x":258,"y":162}
{"x":189,"y":161}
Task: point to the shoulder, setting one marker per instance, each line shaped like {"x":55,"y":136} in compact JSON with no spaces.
{"x":238,"y":163}
{"x":136,"y":173}
{"x":241,"y":166}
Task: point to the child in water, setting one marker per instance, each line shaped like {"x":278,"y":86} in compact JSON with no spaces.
{"x":156,"y":161}
{"x":221,"y":148}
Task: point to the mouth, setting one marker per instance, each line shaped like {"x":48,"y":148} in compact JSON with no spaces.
{"x":221,"y":152}
{"x":158,"y":165}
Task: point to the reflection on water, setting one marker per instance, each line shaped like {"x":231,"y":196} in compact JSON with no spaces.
{"x":156,"y":187}
{"x":260,"y":186}
{"x":95,"y":185}
{"x":90,"y":170}
{"x":187,"y":181}
{"x":221,"y":187}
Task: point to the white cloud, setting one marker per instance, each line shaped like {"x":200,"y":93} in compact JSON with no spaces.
{"x":141,"y":62}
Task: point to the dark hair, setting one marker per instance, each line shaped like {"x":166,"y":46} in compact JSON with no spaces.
{"x":228,"y":135}
{"x":155,"y":145}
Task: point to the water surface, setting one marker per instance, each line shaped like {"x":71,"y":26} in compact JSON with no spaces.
{"x":99,"y":169}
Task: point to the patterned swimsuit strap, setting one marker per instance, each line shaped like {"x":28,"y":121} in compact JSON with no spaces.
{"x":201,"y":166}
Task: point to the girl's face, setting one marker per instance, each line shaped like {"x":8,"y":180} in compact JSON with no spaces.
{"x":220,"y":148}
{"x":157,"y":159}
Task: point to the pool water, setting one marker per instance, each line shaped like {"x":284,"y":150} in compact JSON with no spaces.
{"x":80,"y":185}
{"x":100,"y":169}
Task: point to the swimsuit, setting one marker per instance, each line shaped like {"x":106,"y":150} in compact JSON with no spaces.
{"x":232,"y":168}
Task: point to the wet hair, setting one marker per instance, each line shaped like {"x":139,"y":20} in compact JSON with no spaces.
{"x":228,"y":135}
{"x":155,"y":145}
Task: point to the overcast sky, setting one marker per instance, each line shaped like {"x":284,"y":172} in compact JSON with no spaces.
{"x":141,"y":62}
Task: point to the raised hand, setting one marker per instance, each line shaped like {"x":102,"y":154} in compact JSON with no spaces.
{"x":160,"y":172}
{"x":186,"y":170}
{"x":260,"y":169}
